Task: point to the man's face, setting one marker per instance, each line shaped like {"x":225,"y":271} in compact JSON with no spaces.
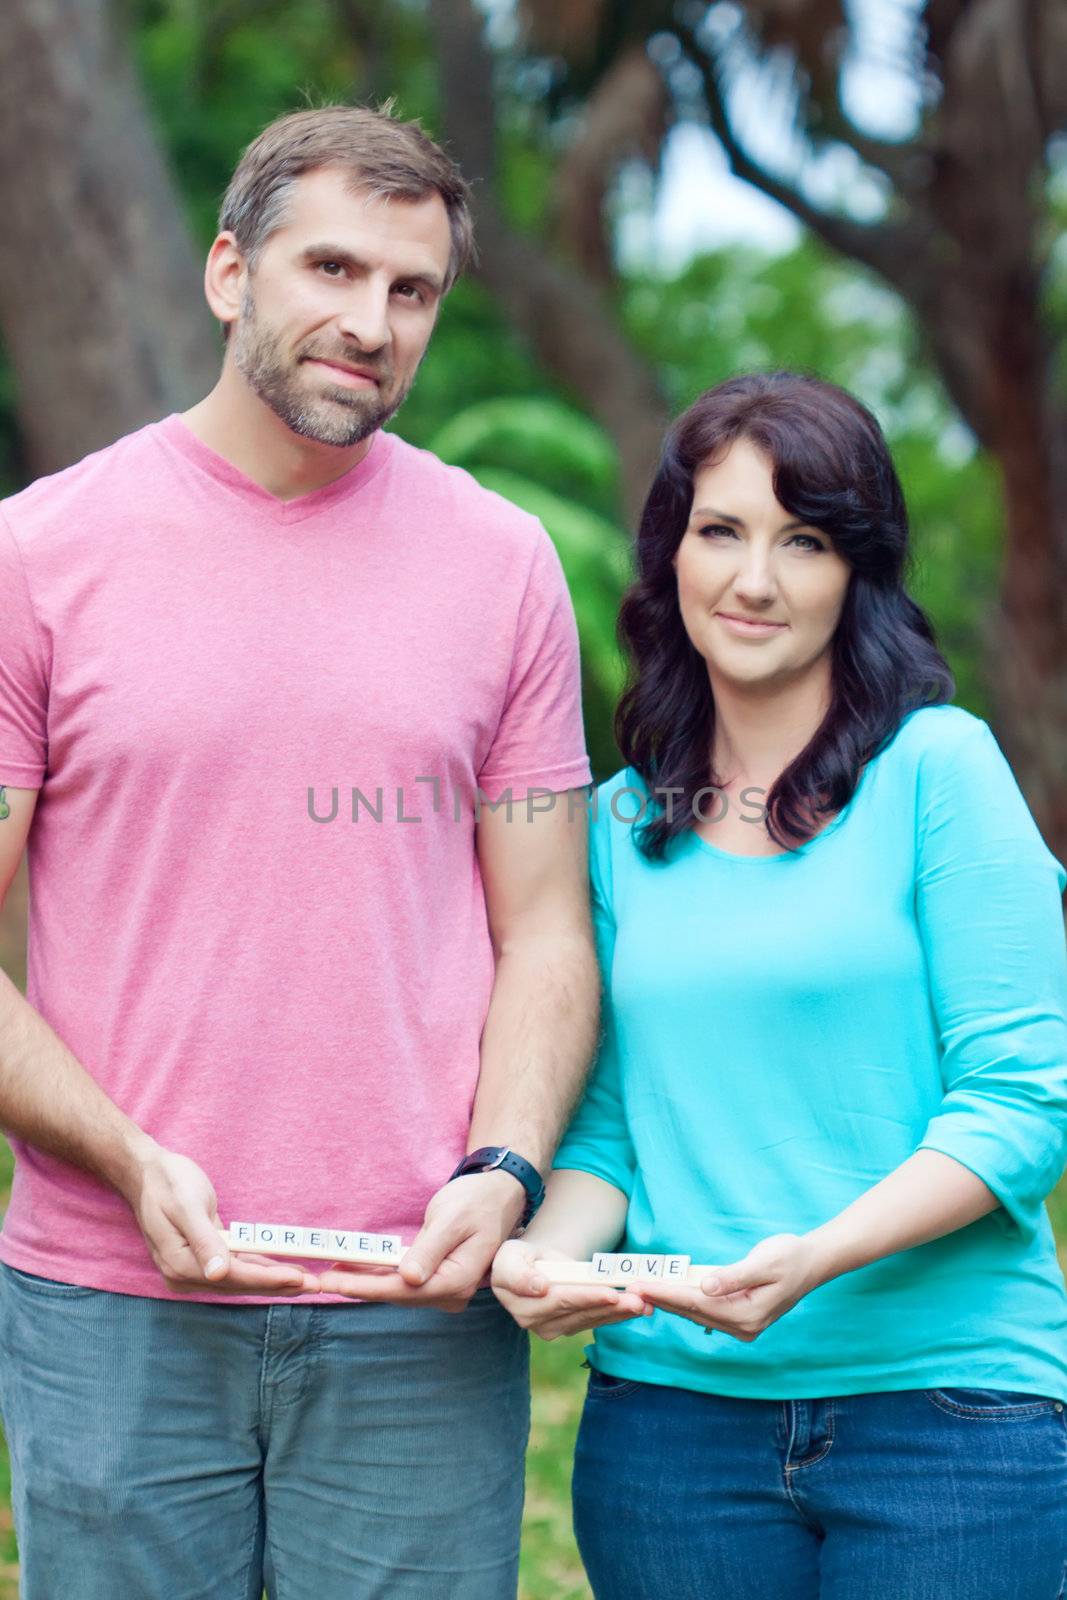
{"x":338,"y":310}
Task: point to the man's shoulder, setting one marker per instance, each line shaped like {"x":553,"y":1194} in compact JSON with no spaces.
{"x":52,"y":501}
{"x":481,"y":512}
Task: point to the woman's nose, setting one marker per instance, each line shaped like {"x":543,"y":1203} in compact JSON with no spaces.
{"x":755,"y":580}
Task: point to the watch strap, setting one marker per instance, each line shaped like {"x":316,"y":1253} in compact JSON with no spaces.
{"x":493,"y":1157}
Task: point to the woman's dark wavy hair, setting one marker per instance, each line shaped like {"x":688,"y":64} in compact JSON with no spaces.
{"x":833,"y":471}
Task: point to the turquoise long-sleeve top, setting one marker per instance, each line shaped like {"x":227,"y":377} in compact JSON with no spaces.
{"x":780,"y":1032}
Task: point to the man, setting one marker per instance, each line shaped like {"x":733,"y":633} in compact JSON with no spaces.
{"x":252,"y":999}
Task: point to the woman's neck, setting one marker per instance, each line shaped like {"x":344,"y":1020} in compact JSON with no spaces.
{"x":759,"y":732}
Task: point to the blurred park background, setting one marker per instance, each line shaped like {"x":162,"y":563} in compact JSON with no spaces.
{"x":667,"y":192}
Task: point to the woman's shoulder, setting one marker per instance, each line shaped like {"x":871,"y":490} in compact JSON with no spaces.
{"x":965,"y":789}
{"x":608,"y":794}
{"x":936,"y":740}
{"x":617,"y":804}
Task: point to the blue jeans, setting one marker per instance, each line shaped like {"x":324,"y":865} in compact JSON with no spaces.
{"x":936,"y":1494}
{"x":167,"y":1450}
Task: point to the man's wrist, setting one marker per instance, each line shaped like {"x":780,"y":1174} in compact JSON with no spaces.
{"x":502,"y":1158}
{"x":133,"y":1153}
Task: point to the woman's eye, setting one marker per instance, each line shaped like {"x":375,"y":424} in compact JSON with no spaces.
{"x":808,"y":541}
{"x":718,"y":528}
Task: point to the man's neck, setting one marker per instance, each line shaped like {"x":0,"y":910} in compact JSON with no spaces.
{"x":234,"y":422}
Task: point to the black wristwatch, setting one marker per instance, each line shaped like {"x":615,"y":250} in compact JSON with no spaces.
{"x":493,"y":1156}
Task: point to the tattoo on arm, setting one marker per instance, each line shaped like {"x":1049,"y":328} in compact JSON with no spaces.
{"x":5,"y":809}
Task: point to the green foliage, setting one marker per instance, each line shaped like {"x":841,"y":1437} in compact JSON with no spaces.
{"x":474,"y":356}
{"x":538,"y":437}
{"x":556,"y":464}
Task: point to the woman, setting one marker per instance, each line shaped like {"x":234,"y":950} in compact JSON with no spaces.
{"x":834,"y":1065}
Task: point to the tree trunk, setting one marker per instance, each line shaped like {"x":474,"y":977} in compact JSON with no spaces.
{"x":101,"y":306}
{"x":567,"y":319}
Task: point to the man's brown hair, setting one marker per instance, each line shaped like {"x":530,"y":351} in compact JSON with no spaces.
{"x":394,"y":160}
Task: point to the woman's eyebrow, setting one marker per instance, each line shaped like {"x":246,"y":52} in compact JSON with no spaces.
{"x":720,"y":516}
{"x":738,"y":522}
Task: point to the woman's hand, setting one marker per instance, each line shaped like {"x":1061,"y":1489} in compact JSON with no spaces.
{"x":745,"y":1298}
{"x":552,"y":1309}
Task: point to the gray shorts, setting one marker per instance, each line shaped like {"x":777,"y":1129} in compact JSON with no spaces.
{"x":166,"y":1450}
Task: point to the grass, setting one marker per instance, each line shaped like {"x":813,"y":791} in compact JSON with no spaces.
{"x":550,"y":1568}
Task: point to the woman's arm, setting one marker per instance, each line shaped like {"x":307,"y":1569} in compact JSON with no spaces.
{"x":581,"y":1214}
{"x":588,"y":1192}
{"x":927,"y":1196}
{"x":989,"y":912}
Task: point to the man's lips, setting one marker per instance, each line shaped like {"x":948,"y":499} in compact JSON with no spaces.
{"x":357,"y":377}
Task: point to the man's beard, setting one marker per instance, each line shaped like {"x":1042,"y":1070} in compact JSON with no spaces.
{"x":342,"y":419}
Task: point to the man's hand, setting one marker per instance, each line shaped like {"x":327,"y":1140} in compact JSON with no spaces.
{"x":554,"y":1309}
{"x":465,"y":1224}
{"x":178,"y":1213}
{"x":745,"y":1298}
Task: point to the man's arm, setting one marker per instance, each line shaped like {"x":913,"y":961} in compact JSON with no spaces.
{"x":539,"y":1037}
{"x":49,"y":1100}
{"x":541,"y":1030}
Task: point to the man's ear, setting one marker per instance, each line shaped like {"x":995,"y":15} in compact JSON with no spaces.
{"x":225,"y":273}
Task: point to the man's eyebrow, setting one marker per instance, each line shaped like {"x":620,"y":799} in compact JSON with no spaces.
{"x":345,"y":258}
{"x":709,"y":514}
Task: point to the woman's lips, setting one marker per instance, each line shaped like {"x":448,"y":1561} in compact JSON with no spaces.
{"x":749,"y":630}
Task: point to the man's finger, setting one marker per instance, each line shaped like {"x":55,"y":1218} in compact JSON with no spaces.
{"x":378,"y":1286}
{"x":428,"y":1249}
{"x":269,"y":1277}
{"x":462,"y":1269}
{"x":207,"y":1243}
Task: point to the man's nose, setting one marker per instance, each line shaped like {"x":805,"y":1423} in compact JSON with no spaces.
{"x":365,"y":317}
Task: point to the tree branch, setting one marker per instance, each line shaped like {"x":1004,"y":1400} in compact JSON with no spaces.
{"x":889,"y":248}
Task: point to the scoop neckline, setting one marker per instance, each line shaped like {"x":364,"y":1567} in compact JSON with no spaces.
{"x":176,"y":433}
{"x":718,"y":853}
{"x":784,"y":855}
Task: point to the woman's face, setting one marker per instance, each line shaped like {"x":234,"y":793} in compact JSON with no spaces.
{"x":760,"y":593}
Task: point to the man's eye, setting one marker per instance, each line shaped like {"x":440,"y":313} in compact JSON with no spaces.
{"x":331,"y":268}
{"x":409,"y":291}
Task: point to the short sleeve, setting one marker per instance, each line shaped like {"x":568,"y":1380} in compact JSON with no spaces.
{"x":23,"y":680}
{"x":540,"y":739}
{"x":991,"y":919}
{"x":598,"y":1139}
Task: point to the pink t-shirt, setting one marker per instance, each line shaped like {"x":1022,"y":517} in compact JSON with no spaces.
{"x":190,"y":668}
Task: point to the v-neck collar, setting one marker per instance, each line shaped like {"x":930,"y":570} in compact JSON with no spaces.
{"x":181,"y":438}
